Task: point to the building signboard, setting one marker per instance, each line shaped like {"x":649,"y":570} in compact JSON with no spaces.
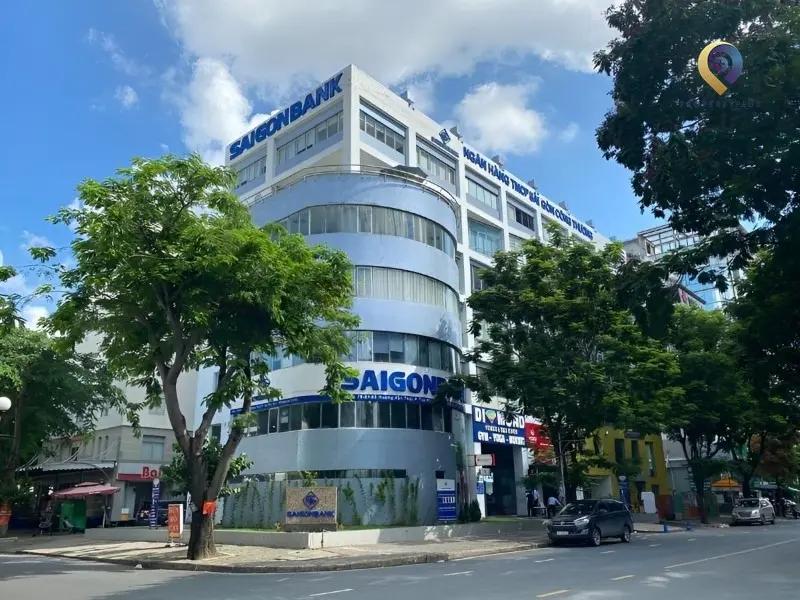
{"x":175,"y":521}
{"x":484,"y":460}
{"x":446,"y":500}
{"x":374,"y":386}
{"x":138,"y":472}
{"x":154,"y":497}
{"x":327,"y":91}
{"x":310,"y":509}
{"x":497,"y":427}
{"x":535,"y":438}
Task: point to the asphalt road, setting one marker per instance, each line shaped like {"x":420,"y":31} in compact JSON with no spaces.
{"x":715,"y":564}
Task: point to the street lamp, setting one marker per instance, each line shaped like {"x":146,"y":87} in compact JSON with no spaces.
{"x":5,"y":404}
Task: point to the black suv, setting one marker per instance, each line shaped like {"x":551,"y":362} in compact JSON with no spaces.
{"x":591,"y":521}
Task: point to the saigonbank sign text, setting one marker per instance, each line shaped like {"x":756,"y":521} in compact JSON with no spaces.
{"x":296,"y":111}
{"x":532,"y":195}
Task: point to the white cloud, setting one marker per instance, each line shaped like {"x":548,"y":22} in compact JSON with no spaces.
{"x":214,"y":110}
{"x":121,"y":62}
{"x":497,"y":118}
{"x":449,"y":37}
{"x":16,"y":285}
{"x":569,"y":133}
{"x":126,"y":96}
{"x":240,"y":46}
{"x":423,"y":93}
{"x":34,"y":241}
{"x":164,"y":148}
{"x":32,"y":313}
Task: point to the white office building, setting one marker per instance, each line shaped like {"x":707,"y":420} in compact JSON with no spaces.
{"x":418,"y":211}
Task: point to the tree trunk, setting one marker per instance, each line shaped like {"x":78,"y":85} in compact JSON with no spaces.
{"x":201,"y":536}
{"x":700,"y":491}
{"x":746,"y":488}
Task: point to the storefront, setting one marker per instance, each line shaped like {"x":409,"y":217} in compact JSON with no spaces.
{"x":136,"y":482}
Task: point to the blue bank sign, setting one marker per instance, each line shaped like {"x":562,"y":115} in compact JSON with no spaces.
{"x":526,"y":192}
{"x":373,"y":386}
{"x":296,"y":111}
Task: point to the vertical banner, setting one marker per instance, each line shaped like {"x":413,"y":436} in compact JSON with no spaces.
{"x":175,"y":521}
{"x":624,"y":490}
{"x":446,"y":500}
{"x":154,"y":498}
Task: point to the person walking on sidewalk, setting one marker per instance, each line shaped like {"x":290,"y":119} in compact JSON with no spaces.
{"x":529,"y":498}
{"x":552,"y":506}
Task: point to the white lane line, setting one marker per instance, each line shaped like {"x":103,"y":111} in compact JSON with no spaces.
{"x":500,"y":555}
{"x":459,"y":573}
{"x":608,"y":552}
{"x":622,"y":577}
{"x":284,"y":579}
{"x":654,"y":545}
{"x":556,"y":593}
{"x":702,"y":560}
{"x":544,"y":560}
{"x":692,"y":540}
{"x":329,"y":593}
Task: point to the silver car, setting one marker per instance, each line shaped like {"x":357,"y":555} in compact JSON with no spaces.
{"x":753,"y":510}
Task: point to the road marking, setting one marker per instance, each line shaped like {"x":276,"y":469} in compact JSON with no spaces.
{"x":622,"y":577}
{"x":654,"y":545}
{"x":459,"y":573}
{"x":544,"y":560}
{"x":608,"y":552}
{"x":284,"y":579}
{"x":329,"y":593}
{"x":556,"y":593}
{"x":702,"y":560}
{"x":498,"y":555}
{"x":692,"y":540}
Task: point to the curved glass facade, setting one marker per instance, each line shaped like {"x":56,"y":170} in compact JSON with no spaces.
{"x":407,"y":286}
{"x":387,"y":347}
{"x":352,"y":218}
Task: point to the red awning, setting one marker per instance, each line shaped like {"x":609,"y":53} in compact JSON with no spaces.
{"x":84,"y":490}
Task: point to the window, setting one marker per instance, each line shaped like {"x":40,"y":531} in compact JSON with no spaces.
{"x":384,"y":415}
{"x":484,"y":239}
{"x":296,"y":417}
{"x":251,"y":171}
{"x":651,"y":458}
{"x":635,"y":451}
{"x":337,"y":218}
{"x":619,"y":450}
{"x":330,"y":415}
{"x":152,"y":448}
{"x":348,"y":414}
{"x":386,"y":135}
{"x":157,"y":410}
{"x":216,"y":432}
{"x":435,"y":167}
{"x":515,"y":243}
{"x":481,"y":194}
{"x":311,"y":415}
{"x":308,"y":139}
{"x":394,"y":284}
{"x":381,"y":346}
{"x":478,"y":283}
{"x":523,"y":218}
{"x":366,"y":414}
{"x":413,"y":416}
{"x":263,"y":422}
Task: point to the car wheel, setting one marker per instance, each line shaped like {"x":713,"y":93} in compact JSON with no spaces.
{"x":772,"y":522}
{"x":596,"y":537}
{"x":626,"y":535}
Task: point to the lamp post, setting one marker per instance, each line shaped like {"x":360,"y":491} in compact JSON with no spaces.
{"x":5,"y":404}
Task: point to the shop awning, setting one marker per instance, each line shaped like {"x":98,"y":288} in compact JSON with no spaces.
{"x":84,"y":490}
{"x":726,"y":484}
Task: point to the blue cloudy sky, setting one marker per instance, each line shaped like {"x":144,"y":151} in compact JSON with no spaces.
{"x":95,"y":83}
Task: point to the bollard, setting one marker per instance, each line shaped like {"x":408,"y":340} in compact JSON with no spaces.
{"x":665,"y":527}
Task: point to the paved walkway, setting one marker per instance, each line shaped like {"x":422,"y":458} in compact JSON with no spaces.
{"x":256,"y":559}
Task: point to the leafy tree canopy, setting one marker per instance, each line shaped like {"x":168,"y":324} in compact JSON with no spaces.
{"x":559,"y":346}
{"x":54,"y":394}
{"x":175,"y":475}
{"x":173,"y":276}
{"x":703,"y":161}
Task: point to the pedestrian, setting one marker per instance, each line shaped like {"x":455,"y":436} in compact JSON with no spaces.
{"x":529,"y":500}
{"x":535,"y":498}
{"x":552,"y":506}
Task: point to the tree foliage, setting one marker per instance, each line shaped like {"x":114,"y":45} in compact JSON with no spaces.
{"x":175,"y":476}
{"x":54,"y":394}
{"x":559,"y":345}
{"x":173,"y":276}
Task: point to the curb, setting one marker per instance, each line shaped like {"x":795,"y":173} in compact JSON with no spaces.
{"x":311,"y":566}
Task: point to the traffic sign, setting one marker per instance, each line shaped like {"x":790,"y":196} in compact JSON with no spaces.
{"x":484,"y":460}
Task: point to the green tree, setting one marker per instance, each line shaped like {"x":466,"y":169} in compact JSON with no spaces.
{"x":704,"y":161}
{"x":716,"y":396}
{"x":173,"y":276}
{"x":558,"y":346}
{"x":54,"y":394}
{"x":175,"y":476}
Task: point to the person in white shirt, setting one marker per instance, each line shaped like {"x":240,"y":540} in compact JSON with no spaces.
{"x":552,"y":506}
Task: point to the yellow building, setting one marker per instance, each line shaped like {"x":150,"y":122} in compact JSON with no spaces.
{"x":648,"y":451}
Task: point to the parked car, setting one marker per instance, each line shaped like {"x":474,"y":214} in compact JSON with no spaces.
{"x":753,"y":510}
{"x":591,"y":521}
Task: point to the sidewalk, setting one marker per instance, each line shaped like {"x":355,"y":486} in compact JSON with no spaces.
{"x":250,"y":559}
